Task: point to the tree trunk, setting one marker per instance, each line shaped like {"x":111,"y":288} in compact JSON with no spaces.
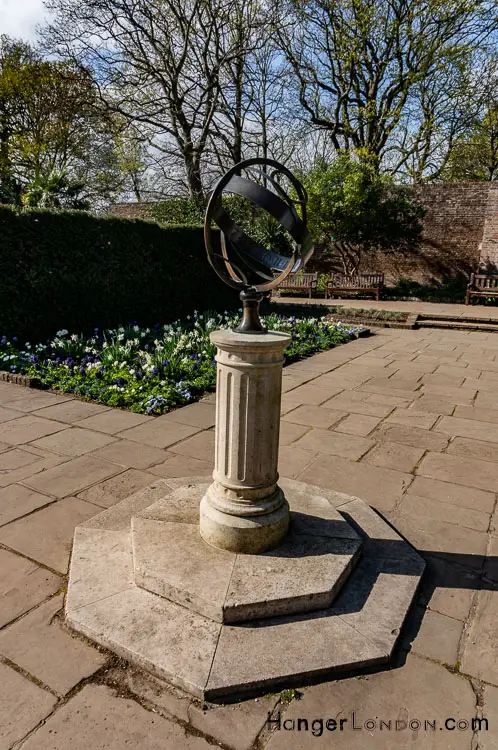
{"x":194,"y":180}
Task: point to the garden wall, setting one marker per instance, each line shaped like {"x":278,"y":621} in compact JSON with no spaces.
{"x":452,"y":235}
{"x":73,"y":270}
{"x":460,"y":231}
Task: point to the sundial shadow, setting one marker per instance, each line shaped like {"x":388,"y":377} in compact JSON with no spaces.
{"x":381,"y":557}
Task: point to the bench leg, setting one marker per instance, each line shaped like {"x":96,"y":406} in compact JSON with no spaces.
{"x":467,"y":298}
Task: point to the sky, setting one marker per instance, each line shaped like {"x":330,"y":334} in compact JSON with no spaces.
{"x":18,"y":18}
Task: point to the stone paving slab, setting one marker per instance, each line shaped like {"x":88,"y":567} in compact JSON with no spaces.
{"x":325,"y":441}
{"x":181,"y":466}
{"x":46,"y":536}
{"x":429,"y":508}
{"x":314,"y":416}
{"x":125,"y":453}
{"x":73,"y":476}
{"x":382,"y":488}
{"x":479,"y":657}
{"x":23,"y":705}
{"x":17,"y":501}
{"x":73,"y":441}
{"x":113,"y":421}
{"x":97,"y":718}
{"x":28,"y":428}
{"x":161,"y":432}
{"x":30,"y":400}
{"x":454,"y":494}
{"x":470,"y":472}
{"x":435,"y":636}
{"x":7,"y":414}
{"x":418,"y":691}
{"x":41,"y":461}
{"x":23,"y":585}
{"x":199,"y":446}
{"x":474,"y":449}
{"x":72,"y":411}
{"x":448,"y":587}
{"x":395,"y":456}
{"x":36,"y":642}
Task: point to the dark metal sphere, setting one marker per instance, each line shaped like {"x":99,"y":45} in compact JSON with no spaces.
{"x":242,"y":262}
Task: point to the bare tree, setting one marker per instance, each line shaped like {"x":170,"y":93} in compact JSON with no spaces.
{"x":358,"y":62}
{"x":158,"y":63}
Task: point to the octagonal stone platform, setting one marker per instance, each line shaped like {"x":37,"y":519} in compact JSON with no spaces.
{"x":303,"y":574}
{"x":212,"y":659}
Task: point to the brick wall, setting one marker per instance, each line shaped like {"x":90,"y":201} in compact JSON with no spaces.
{"x":460,"y":224}
{"x":489,"y":243}
{"x":131,"y":210}
{"x":460,"y":231}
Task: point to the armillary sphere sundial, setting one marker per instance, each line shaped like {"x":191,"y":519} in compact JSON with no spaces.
{"x":241,"y":262}
{"x":243,"y":582}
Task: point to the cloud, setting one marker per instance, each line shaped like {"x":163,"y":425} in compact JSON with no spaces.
{"x":18,"y":18}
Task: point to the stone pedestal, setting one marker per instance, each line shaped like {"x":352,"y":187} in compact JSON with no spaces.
{"x":215,"y":618}
{"x":244,"y":510}
{"x":331,"y":599}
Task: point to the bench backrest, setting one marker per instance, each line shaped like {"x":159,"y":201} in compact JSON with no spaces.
{"x":303,"y":279}
{"x":361,"y":281}
{"x":483,"y":281}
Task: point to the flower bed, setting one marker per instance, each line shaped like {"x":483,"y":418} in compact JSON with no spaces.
{"x":368,"y":313}
{"x":151,"y":370}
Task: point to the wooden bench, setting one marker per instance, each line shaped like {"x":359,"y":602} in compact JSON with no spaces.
{"x":304,"y":282}
{"x":481,"y":285}
{"x":371,"y":283}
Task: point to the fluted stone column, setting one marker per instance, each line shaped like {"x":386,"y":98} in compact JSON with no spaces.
{"x":244,"y":509}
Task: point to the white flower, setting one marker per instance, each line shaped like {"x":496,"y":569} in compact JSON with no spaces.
{"x":63,"y":332}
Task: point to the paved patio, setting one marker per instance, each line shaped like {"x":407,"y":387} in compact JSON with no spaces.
{"x":407,"y":420}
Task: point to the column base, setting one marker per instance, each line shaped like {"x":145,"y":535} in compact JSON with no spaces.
{"x":249,"y":535}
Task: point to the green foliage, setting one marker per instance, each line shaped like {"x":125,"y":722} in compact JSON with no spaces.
{"x":475,"y":155}
{"x":151,"y":370}
{"x":258,"y":224}
{"x":355,"y":210}
{"x":452,"y":289}
{"x":69,"y":269}
{"x":55,"y":142}
{"x":54,"y":190}
{"x":367,"y":313}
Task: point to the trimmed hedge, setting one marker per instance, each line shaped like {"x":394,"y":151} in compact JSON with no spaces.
{"x":73,"y":270}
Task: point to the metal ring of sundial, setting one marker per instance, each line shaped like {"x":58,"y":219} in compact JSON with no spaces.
{"x":243,"y":263}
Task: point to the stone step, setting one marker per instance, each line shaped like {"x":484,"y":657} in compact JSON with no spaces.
{"x":458,"y":324}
